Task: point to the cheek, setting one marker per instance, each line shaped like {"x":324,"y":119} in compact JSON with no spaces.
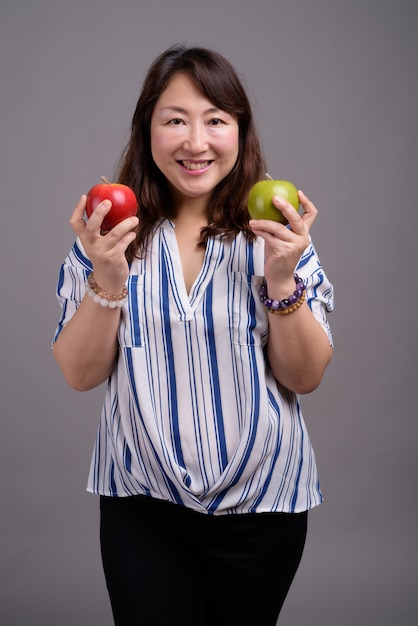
{"x":157,"y":143}
{"x":229,"y":143}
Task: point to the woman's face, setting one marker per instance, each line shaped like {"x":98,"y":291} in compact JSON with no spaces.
{"x":193,"y":143}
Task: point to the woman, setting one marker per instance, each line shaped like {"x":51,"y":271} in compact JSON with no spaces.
{"x":202,"y":461}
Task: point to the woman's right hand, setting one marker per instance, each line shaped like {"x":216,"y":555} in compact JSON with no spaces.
{"x":106,"y":251}
{"x":86,"y":348}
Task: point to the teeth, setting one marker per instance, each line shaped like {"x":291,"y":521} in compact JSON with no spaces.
{"x":191,"y":165}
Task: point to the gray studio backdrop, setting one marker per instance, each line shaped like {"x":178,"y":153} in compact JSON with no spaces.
{"x":334,"y":88}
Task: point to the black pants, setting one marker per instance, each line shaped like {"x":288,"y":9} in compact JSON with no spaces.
{"x":166,"y":565}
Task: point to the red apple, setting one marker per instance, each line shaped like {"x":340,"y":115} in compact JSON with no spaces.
{"x":260,"y":205}
{"x":123,"y":199}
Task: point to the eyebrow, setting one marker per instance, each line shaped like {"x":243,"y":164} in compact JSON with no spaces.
{"x":177,"y":109}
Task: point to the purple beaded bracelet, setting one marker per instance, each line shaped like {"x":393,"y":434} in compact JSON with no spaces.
{"x":287,"y":305}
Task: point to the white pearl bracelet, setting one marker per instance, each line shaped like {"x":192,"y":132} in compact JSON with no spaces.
{"x":102,"y":297}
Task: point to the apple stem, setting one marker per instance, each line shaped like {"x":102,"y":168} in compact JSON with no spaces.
{"x":104,"y":179}
{"x":268,"y":176}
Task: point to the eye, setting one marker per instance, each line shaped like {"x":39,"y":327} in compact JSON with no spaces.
{"x":216,"y":121}
{"x":176,"y":121}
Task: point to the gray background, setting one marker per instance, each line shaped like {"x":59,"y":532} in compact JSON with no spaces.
{"x":334,"y":88}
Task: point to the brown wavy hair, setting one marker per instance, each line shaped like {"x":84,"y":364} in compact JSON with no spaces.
{"x":216,"y":78}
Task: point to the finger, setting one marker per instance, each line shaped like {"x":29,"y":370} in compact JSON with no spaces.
{"x":292,"y":216}
{"x":280,"y":239}
{"x":113,"y":247}
{"x":128,"y":238}
{"x":95,"y":220}
{"x":77,"y":218}
{"x":123,"y":227}
{"x":265,"y":228}
{"x":310,"y":211}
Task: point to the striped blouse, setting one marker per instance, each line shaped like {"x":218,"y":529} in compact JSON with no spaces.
{"x":192,"y":414}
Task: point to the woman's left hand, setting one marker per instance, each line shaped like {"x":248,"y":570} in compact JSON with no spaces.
{"x":298,"y":349}
{"x":285,"y":244}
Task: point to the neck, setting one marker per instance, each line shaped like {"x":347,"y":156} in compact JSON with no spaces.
{"x":191,"y":210}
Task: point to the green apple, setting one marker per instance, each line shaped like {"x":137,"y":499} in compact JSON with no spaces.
{"x":260,"y":205}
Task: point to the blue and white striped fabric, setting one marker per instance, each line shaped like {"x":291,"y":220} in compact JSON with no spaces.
{"x":191,"y":413}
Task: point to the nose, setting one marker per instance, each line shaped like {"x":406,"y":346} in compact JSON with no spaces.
{"x":196,"y":141}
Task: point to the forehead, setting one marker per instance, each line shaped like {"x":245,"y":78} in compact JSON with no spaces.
{"x":181,"y":88}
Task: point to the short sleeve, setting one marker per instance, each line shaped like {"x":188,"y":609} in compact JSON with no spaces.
{"x":319,"y":290}
{"x":71,"y":284}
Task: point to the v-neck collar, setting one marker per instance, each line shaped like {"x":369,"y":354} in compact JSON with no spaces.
{"x":187,"y":303}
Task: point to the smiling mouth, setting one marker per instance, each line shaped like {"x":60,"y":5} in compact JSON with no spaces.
{"x":195,"y":165}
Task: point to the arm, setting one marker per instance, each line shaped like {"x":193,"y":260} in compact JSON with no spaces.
{"x":86,"y":348}
{"x":298,"y":348}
